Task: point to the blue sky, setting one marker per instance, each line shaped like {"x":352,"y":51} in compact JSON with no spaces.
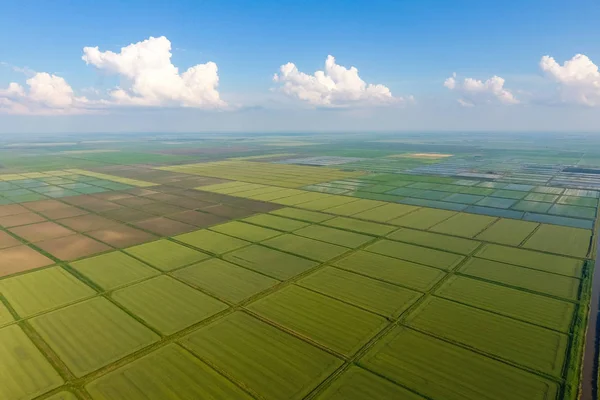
{"x":409,"y":47}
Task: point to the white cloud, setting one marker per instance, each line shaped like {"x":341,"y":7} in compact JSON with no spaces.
{"x":152,"y":80}
{"x":47,"y":94}
{"x":337,"y":86}
{"x":474,"y":92}
{"x":578,"y":79}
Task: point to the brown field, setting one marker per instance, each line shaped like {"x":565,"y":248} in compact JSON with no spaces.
{"x":7,"y":241}
{"x":127,"y":215}
{"x":138,"y":192}
{"x":12,"y":209}
{"x":224,"y":210}
{"x":72,"y":247}
{"x":135,"y":202}
{"x":65,"y":212}
{"x":162,"y":209}
{"x":10,"y":221}
{"x":42,"y":231}
{"x":98,"y":205}
{"x":21,"y":258}
{"x":122,"y":236}
{"x":164,"y":226}
{"x":112,"y":196}
{"x":198,"y":219}
{"x":79,"y":200}
{"x":45,"y":205}
{"x":85,"y":223}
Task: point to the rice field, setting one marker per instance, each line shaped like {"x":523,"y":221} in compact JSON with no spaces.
{"x":326,"y":271}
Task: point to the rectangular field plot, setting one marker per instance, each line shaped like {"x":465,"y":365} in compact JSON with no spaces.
{"x":43,"y":290}
{"x":578,"y":201}
{"x":337,"y":326}
{"x":25,"y":372}
{"x":166,"y":255}
{"x":532,"y":259}
{"x":528,"y":345}
{"x":373,"y":295}
{"x":385,"y":213}
{"x":334,"y":236}
{"x":112,"y":270}
{"x":573,"y":211}
{"x":356,"y":225}
{"x":561,"y":239}
{"x":63,"y":396}
{"x":306,"y":247}
{"x":468,"y":225}
{"x":536,"y":309}
{"x":276,"y":222}
{"x":440,"y":370}
{"x":302,"y":215}
{"x":212,"y":242}
{"x":354,"y":207}
{"x":508,"y":231}
{"x":167,"y":304}
{"x":283,"y":366}
{"x":249,"y":232}
{"x":422,"y":255}
{"x":89,"y":335}
{"x":225,"y":280}
{"x":359,"y":384}
{"x":153,"y":377}
{"x":5,"y":315}
{"x":424,"y":218}
{"x":435,"y":240}
{"x":273,"y":263}
{"x":328,"y":202}
{"x":525,"y":278}
{"x":392,"y":270}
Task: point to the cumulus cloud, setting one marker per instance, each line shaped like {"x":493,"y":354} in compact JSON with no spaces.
{"x":578,"y":79}
{"x":152,"y":80}
{"x":474,"y":91}
{"x":337,"y":86}
{"x":47,"y":94}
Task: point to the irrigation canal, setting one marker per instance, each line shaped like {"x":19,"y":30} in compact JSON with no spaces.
{"x":589,"y":379}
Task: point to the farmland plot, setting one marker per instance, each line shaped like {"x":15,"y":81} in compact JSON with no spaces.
{"x":283,"y":366}
{"x":273,"y":263}
{"x":417,"y":254}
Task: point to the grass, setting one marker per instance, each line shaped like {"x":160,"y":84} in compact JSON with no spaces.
{"x":334,"y":236}
{"x":303,"y":215}
{"x":351,"y":224}
{"x":112,"y":270}
{"x":337,"y":326}
{"x":276,"y":222}
{"x":212,"y":242}
{"x":467,"y":225}
{"x":282,"y":366}
{"x":370,"y":294}
{"x":306,"y":247}
{"x":564,"y":240}
{"x":415,"y":361}
{"x":422,"y":255}
{"x":225,"y":280}
{"x":508,"y":231}
{"x":154,"y":377}
{"x":63,"y":396}
{"x":359,"y":384}
{"x":241,"y":230}
{"x":424,"y":218}
{"x":523,"y":278}
{"x":534,"y":347}
{"x":385,"y":213}
{"x":435,"y":240}
{"x":25,"y":372}
{"x":536,"y":309}
{"x":532,"y":259}
{"x":166,"y":304}
{"x":391,"y":270}
{"x":43,"y":290}
{"x":166,"y":255}
{"x":273,"y":263}
{"x":91,"y":334}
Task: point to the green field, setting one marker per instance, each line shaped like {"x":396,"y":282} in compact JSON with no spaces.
{"x":330,"y":267}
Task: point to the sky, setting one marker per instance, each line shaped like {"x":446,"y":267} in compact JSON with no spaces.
{"x":295,"y":66}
